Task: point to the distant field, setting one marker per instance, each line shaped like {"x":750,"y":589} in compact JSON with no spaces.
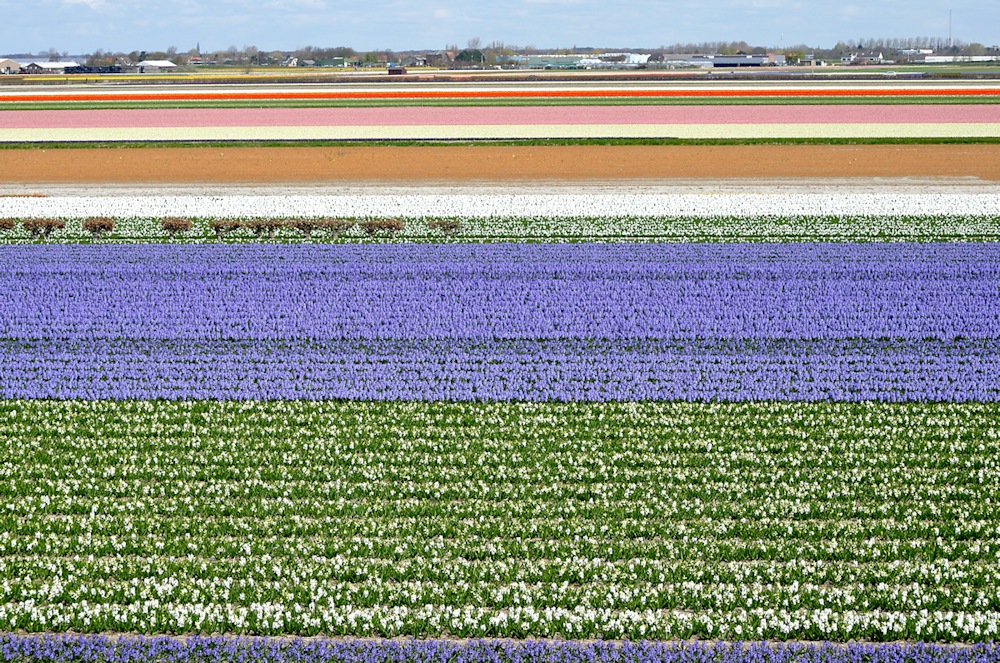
{"x":728,"y":110}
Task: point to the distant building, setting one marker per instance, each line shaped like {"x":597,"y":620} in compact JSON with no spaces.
{"x":943,"y":59}
{"x":440,"y":58}
{"x":155,"y":66}
{"x":9,"y":67}
{"x":49,"y":67}
{"x":862,"y":58}
{"x":739,"y":60}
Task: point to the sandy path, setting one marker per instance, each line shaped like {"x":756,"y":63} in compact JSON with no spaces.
{"x":450,"y":163}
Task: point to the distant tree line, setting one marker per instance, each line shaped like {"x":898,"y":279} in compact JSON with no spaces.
{"x":496,"y":52}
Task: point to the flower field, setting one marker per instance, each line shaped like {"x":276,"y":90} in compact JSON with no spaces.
{"x":502,"y":322}
{"x":507,"y":425}
{"x":732,"y":110}
{"x":500,"y":91}
{"x":640,"y":520}
{"x":493,"y":122}
{"x":765,"y":216}
{"x":49,"y":649}
{"x":706,"y":435}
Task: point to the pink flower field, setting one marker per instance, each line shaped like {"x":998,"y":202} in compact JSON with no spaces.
{"x":501,"y":116}
{"x":503,"y":122}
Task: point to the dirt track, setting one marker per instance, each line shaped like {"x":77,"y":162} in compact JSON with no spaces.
{"x":489,"y":162}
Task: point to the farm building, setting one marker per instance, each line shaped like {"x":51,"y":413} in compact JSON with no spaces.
{"x":155,"y":66}
{"x":49,"y":67}
{"x":8,"y":66}
{"x":738,"y":60}
{"x":862,"y":58}
{"x":439,"y":58}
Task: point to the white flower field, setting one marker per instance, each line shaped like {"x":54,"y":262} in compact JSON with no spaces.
{"x":605,"y":217}
{"x":770,"y":520}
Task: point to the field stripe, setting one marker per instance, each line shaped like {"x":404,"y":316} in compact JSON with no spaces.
{"x":519,"y":115}
{"x":511,"y":94}
{"x":499,"y":132}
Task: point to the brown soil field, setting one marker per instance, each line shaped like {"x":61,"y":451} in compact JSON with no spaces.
{"x":495,"y":163}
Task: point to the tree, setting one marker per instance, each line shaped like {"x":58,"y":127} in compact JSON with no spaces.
{"x":471,"y":56}
{"x":99,"y":58}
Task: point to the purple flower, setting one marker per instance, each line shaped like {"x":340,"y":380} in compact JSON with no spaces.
{"x":585,"y":322}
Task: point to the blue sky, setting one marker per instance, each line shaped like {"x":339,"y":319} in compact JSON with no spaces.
{"x":80,"y":26}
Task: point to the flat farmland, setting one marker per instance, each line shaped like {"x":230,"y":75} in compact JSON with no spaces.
{"x":267,"y":372}
{"x":596,"y":164}
{"x":470,"y":112}
{"x":518,"y":122}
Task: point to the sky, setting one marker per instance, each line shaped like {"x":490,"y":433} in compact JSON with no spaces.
{"x":83,"y":26}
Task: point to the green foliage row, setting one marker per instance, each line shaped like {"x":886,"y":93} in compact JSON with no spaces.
{"x":777,"y":520}
{"x":570,"y":229}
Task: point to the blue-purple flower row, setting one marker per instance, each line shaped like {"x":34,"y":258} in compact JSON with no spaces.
{"x":504,"y":322}
{"x":455,"y":370}
{"x":141,"y":649}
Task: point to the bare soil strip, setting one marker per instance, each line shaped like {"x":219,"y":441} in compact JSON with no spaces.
{"x":251,"y":165}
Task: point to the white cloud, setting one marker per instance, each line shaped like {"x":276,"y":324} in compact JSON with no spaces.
{"x":93,"y":4}
{"x":776,"y":4}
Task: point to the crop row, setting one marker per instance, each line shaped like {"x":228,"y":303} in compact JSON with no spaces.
{"x":601,"y":520}
{"x":488,"y":205}
{"x":509,"y":132}
{"x":127,"y":649}
{"x":526,"y":370}
{"x":466,"y":229}
{"x":503,"y":322}
{"x":176,"y":227}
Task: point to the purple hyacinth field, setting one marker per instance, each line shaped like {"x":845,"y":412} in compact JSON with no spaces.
{"x":507,"y":452}
{"x":504,"y":322}
{"x":260,"y":650}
